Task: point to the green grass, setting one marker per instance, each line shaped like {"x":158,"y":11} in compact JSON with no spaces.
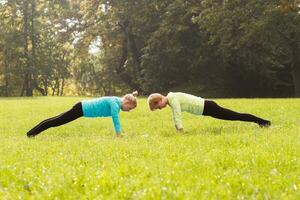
{"x":214,"y":159}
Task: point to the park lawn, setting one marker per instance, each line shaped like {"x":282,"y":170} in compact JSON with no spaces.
{"x":213,"y":159}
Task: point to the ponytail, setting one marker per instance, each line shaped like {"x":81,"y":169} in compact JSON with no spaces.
{"x":131,"y":97}
{"x":135,"y":93}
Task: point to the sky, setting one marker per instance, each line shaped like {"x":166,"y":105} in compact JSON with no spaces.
{"x":95,"y":45}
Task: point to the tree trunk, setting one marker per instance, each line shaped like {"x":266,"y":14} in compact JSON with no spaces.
{"x":6,"y":74}
{"x":53,"y":91}
{"x":46,"y":87}
{"x":121,"y":71}
{"x":58,"y":88}
{"x":296,"y":70}
{"x":136,"y":59}
{"x":33,"y":49}
{"x":38,"y":88}
{"x":23,"y":89}
{"x":296,"y":80}
{"x":296,"y":76}
{"x":128,"y":44}
{"x":62,"y":87}
{"x":54,"y":88}
{"x":27,"y":87}
{"x":109,"y":87}
{"x":134,"y":50}
{"x":104,"y":90}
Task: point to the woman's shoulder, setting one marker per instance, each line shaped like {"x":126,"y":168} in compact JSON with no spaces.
{"x":114,"y":100}
{"x":101,"y":99}
{"x":173,"y":98}
{"x":176,"y":94}
{"x":108,"y":98}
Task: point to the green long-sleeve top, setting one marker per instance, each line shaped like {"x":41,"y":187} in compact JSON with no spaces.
{"x":182,"y":102}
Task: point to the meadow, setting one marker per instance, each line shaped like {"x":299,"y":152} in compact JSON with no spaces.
{"x":213,"y":159}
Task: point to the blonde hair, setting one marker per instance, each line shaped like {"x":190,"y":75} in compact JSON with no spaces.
{"x":153,"y":100}
{"x":131,"y":98}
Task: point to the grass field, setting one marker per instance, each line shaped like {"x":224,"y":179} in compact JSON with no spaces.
{"x":213,"y":159}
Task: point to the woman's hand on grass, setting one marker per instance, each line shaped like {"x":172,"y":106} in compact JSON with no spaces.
{"x":179,"y":130}
{"x":118,"y":135}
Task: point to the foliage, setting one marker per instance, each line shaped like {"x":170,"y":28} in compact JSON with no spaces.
{"x":231,"y":48}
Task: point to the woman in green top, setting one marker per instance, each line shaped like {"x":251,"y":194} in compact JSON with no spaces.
{"x":180,"y":102}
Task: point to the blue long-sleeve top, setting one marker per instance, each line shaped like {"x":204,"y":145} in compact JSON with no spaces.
{"x":103,"y":107}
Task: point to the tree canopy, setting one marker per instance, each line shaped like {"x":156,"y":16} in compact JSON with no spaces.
{"x":211,"y":48}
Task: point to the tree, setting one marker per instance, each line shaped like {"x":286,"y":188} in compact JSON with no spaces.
{"x":41,"y":40}
{"x":252,"y":36}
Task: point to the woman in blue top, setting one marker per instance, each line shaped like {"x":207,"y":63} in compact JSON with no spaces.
{"x":100,"y":107}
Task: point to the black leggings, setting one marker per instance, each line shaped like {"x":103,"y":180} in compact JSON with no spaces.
{"x":66,"y":117}
{"x":214,"y":110}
